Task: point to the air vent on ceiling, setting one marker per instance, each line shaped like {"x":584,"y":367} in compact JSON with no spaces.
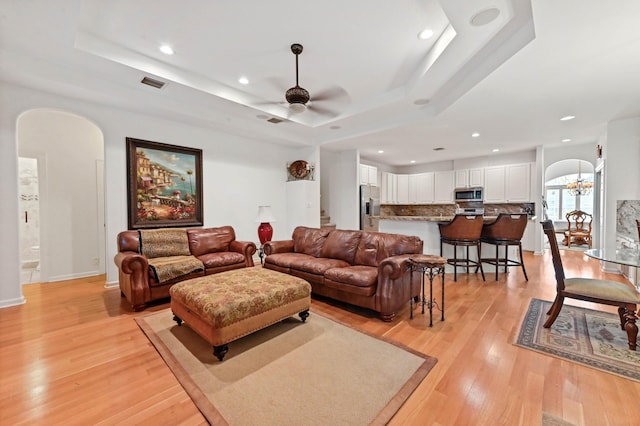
{"x":153,"y":83}
{"x":275,"y":120}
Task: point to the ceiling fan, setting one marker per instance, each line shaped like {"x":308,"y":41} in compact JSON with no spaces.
{"x":298,"y":97}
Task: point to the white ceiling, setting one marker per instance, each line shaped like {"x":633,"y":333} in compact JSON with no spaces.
{"x":511,"y":80}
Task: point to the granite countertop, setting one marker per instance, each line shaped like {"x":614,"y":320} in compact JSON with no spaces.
{"x":434,"y":218}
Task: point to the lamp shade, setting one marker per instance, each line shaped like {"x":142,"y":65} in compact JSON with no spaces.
{"x":265,"y":215}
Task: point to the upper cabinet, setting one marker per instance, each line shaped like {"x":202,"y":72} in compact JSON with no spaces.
{"x":444,"y":183}
{"x":421,"y":188}
{"x":507,"y":184}
{"x":368,"y":175}
{"x":403,"y":189}
{"x":389,"y":188}
{"x":494,"y":184}
{"x":502,"y":184}
{"x":518,"y":183}
{"x":466,"y":178}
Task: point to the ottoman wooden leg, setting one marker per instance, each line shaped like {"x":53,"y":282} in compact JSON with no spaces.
{"x":220,"y":351}
{"x":178,"y":320}
{"x":303,"y":315}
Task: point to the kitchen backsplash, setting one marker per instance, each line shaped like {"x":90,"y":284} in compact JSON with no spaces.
{"x":450,"y":209}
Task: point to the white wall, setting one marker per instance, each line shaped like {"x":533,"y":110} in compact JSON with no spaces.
{"x":238,"y":174}
{"x":69,"y":149}
{"x":344,"y":197}
{"x":621,"y":153}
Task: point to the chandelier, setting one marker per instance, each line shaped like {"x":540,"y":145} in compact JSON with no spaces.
{"x":580,"y":186}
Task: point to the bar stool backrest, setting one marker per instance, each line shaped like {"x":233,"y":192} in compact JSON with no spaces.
{"x":462,"y":227}
{"x":507,"y":227}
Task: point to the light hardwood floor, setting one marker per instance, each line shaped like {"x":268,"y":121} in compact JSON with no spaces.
{"x":73,"y":355}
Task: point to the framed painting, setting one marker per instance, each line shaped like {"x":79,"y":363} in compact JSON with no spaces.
{"x":164,"y":185}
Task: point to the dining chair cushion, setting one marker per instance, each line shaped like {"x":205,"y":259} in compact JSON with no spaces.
{"x":601,"y":289}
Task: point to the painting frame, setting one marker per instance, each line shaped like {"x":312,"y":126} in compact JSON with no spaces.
{"x":153,"y":169}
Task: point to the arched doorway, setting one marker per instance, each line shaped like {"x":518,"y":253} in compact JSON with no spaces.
{"x":61,"y":180}
{"x":560,"y":194}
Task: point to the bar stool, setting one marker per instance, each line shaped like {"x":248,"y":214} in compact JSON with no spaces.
{"x":507,"y":230}
{"x":463,"y":230}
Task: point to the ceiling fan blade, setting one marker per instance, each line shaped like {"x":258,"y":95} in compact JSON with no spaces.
{"x":320,"y":110}
{"x":335,"y":93}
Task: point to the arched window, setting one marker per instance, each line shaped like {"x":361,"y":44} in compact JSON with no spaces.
{"x":560,"y":201}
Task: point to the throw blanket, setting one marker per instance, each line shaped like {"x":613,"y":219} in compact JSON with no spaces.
{"x":164,"y":242}
{"x":168,"y":268}
{"x":168,"y":253}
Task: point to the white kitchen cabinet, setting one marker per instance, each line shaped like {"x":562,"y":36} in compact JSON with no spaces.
{"x":368,"y":175}
{"x":466,"y":178}
{"x":444,"y":183}
{"x":476,"y":177}
{"x":389,"y":190}
{"x":425,"y":187}
{"x":494,"y":184}
{"x":518,"y":183}
{"x":462,"y":178}
{"x":403,"y":189}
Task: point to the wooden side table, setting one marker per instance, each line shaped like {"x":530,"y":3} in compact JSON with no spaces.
{"x":431,"y":266}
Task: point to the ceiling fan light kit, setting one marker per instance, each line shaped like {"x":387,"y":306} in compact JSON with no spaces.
{"x":297,"y":96}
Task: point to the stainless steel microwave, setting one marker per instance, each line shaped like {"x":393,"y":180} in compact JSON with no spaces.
{"x":469,"y":194}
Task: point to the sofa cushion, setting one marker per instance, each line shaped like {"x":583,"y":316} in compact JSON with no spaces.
{"x":342,"y":245}
{"x":163,"y":243}
{"x":359,"y":276}
{"x":367,"y":252}
{"x":309,"y":240}
{"x":219,"y":259}
{"x":357,"y":280}
{"x":210,"y":240}
{"x":384,"y":245}
{"x":305,"y":262}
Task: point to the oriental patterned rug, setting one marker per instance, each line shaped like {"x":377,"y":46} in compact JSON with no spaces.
{"x":588,"y":337}
{"x":319,"y":372}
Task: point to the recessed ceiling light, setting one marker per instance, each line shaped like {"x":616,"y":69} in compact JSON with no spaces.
{"x":166,"y":49}
{"x":421,"y":101}
{"x":475,"y":135}
{"x":495,"y":150}
{"x":438,"y":149}
{"x":425,"y":34}
{"x":485,"y":17}
{"x":568,"y":117}
{"x":412,"y":161}
{"x":566,"y":140}
{"x":380,"y":151}
{"x":243,"y":80}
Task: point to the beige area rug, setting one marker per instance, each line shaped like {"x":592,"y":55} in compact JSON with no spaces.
{"x":581,"y":335}
{"x":292,"y":373}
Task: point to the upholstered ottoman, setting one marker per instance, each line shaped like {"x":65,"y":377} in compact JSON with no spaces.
{"x":226,"y":306}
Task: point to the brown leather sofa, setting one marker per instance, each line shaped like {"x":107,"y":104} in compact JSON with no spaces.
{"x":216,"y":248}
{"x":367,"y":269}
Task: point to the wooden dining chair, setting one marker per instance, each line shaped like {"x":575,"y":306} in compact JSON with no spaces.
{"x":579,"y":225}
{"x":593,"y":290}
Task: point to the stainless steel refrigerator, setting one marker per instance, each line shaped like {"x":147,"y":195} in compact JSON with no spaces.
{"x":369,"y":207}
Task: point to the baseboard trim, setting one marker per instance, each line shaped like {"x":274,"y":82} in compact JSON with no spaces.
{"x":12,"y":302}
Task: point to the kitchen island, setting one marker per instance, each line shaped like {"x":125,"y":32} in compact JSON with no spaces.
{"x":426,"y":228}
